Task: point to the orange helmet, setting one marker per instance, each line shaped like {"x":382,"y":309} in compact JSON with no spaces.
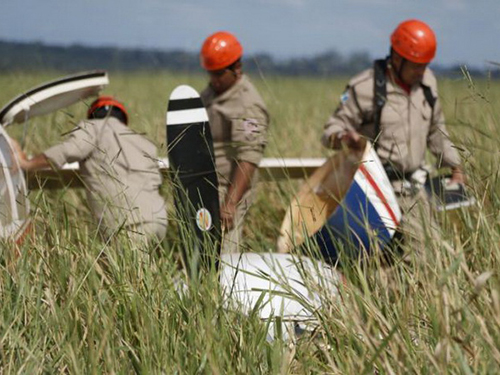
{"x":220,"y":50}
{"x":106,"y":101}
{"x":415,"y":41}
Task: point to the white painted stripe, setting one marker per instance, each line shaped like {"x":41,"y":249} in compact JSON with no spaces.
{"x":374,"y":167}
{"x":184,"y":92}
{"x":270,"y":163}
{"x":187,"y":116}
{"x":292,"y":162}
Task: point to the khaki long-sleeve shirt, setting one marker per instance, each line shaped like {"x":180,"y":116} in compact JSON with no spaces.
{"x":120,"y":172}
{"x":407,"y":126}
{"x":239,"y":122}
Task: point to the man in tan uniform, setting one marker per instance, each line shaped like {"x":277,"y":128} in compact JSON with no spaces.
{"x":395,"y":104}
{"x":238,"y":122}
{"x":118,"y":168}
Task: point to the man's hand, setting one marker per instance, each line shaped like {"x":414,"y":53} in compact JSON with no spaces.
{"x":17,"y":148}
{"x":457,"y":176}
{"x":37,"y":162}
{"x":21,"y":155}
{"x":350,"y":138}
{"x":227,"y":213}
{"x":240,"y":183}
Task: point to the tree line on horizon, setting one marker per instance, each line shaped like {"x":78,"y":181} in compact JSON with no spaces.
{"x":35,"y":56}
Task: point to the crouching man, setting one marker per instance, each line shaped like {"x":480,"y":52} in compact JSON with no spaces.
{"x":119,"y":170}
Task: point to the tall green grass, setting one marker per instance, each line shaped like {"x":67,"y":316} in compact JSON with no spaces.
{"x":72,"y":303}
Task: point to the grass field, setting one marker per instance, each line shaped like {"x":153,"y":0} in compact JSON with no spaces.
{"x":73,"y":304}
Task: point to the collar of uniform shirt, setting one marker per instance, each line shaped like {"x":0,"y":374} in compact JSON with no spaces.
{"x":227,"y":94}
{"x":404,"y":86}
{"x":395,"y":79}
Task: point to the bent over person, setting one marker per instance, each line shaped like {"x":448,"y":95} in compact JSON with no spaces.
{"x":395,"y":104}
{"x":238,"y":121}
{"x":119,"y":170}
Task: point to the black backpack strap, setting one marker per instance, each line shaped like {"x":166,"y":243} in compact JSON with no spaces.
{"x":431,"y":99}
{"x":379,"y":92}
{"x":355,"y":98}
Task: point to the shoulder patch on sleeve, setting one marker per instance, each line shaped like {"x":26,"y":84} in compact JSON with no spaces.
{"x":250,"y":125}
{"x":345,"y":96}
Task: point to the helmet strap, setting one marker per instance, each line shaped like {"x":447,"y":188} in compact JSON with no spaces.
{"x":108,"y":111}
{"x":234,"y":66}
{"x":399,"y":71}
{"x":233,"y":71}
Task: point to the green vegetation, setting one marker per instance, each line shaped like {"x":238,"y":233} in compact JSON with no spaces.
{"x":73,"y":304}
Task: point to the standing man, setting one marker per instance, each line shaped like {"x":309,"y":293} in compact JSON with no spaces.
{"x":238,"y":121}
{"x":395,"y":104}
{"x":119,"y":170}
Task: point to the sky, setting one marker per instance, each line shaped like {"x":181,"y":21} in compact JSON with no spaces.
{"x":466,"y":29}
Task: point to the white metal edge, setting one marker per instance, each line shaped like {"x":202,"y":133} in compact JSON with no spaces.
{"x":23,"y":179}
{"x":269,"y":163}
{"x":62,"y":88}
{"x":10,"y":190}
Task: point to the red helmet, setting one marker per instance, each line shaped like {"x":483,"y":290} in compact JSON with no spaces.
{"x":415,"y":41}
{"x":220,"y":50}
{"x":106,"y":101}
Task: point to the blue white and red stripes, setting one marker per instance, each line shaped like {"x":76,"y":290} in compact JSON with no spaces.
{"x":367,"y":216}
